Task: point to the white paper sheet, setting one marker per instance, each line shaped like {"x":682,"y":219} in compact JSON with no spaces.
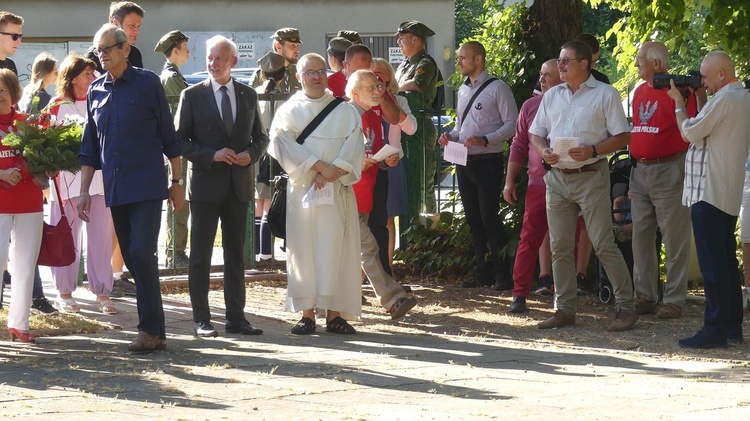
{"x":318,"y":197}
{"x":456,"y":153}
{"x":384,"y":152}
{"x":563,"y":145}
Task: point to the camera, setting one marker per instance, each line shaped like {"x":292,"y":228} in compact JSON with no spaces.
{"x":691,"y":80}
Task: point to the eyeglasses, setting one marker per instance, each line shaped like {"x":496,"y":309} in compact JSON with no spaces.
{"x":378,"y":87}
{"x":565,"y":61}
{"x":106,"y":50}
{"x":313,"y":73}
{"x":15,"y":36}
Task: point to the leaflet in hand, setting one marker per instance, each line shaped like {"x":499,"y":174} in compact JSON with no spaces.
{"x":456,"y":153}
{"x":563,"y":145}
{"x":318,"y":197}
{"x":384,"y":152}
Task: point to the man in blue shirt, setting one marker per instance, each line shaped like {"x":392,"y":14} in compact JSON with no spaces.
{"x":128,"y":129}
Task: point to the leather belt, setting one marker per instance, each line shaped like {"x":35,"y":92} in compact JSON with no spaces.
{"x":483,"y":156}
{"x":586,"y":168}
{"x":645,"y":161}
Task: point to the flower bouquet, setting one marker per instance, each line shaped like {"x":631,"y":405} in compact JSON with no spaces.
{"x":44,"y":146}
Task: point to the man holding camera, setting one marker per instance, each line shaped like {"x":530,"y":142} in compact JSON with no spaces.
{"x":658,"y":155}
{"x":719,"y":137}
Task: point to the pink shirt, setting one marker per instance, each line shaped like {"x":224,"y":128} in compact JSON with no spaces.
{"x":521,"y":149}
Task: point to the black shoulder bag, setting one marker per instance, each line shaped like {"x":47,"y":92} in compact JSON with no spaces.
{"x":476,"y":94}
{"x":277,"y":214}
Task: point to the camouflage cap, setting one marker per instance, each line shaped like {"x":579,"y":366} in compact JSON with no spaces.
{"x":271,"y":62}
{"x":415,"y":27}
{"x":339,"y":45}
{"x":169,"y":40}
{"x":352,"y":36}
{"x":287,"y":34}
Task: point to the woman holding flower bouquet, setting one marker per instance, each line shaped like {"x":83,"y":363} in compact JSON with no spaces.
{"x":21,"y":213}
{"x":75,"y":75}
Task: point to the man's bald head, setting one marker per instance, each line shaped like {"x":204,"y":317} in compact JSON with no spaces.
{"x":652,"y":58}
{"x":549,"y":75}
{"x":717,"y":71}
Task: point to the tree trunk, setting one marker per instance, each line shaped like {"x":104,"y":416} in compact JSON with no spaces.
{"x":550,"y":24}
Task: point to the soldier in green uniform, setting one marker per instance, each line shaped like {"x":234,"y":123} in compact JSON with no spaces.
{"x":417,"y":77}
{"x":174,"y":47}
{"x":286,"y":42}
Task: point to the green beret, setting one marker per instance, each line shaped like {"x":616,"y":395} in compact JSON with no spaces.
{"x":415,"y":27}
{"x":271,"y":62}
{"x":169,"y":40}
{"x":287,"y":34}
{"x":339,"y":45}
{"x":352,"y":36}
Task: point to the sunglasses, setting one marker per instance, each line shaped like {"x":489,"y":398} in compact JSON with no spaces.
{"x":107,"y":50}
{"x":15,"y":36}
{"x":565,"y":61}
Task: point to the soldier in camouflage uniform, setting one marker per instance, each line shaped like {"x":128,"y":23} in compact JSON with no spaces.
{"x":286,"y":42}
{"x":417,"y":77}
{"x":174,"y":47}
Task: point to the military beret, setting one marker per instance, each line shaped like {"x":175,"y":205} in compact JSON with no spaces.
{"x":352,"y":36}
{"x":339,"y":44}
{"x":287,"y":34}
{"x":271,"y":62}
{"x":169,"y":40}
{"x":415,"y":27}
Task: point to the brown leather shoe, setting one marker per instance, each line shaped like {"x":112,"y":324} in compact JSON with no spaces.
{"x":669,"y":311}
{"x":644,"y":306}
{"x":146,"y":343}
{"x":624,"y":320}
{"x":560,"y":319}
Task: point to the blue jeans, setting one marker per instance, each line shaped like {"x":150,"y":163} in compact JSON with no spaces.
{"x":137,"y":227}
{"x":716,"y":247}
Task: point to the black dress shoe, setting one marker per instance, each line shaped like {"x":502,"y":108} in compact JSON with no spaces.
{"x":242,"y":327}
{"x":205,"y":329}
{"x":518,"y":305}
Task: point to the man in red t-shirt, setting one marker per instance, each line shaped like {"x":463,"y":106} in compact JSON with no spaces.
{"x":656,"y":181}
{"x":364,"y":89}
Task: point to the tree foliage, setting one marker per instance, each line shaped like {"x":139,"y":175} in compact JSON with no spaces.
{"x":689,"y":28}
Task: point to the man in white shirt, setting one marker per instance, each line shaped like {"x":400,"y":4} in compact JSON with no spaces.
{"x":714,"y":168}
{"x":578,"y":123}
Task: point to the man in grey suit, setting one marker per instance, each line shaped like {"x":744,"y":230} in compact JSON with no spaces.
{"x":218,"y":122}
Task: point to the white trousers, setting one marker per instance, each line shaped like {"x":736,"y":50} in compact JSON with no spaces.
{"x":26,"y":231}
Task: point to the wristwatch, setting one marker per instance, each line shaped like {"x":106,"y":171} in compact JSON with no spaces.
{"x":486,"y":141}
{"x":178,"y":181}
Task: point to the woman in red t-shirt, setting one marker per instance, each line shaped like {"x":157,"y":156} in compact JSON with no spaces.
{"x":20,"y":213}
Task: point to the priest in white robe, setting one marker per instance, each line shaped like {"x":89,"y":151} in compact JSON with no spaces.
{"x":323,"y":244}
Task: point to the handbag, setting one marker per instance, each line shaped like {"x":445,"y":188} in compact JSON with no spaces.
{"x":57,"y":248}
{"x":276,"y":217}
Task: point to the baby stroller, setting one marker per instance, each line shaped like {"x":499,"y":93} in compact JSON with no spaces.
{"x":619,"y":179}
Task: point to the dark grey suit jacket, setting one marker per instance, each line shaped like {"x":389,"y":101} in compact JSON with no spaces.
{"x":202,"y":133}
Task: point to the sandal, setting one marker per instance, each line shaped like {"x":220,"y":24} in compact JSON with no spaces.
{"x":68,"y":305}
{"x":107,"y":307}
{"x":340,"y":326}
{"x":305,"y":326}
{"x":401,"y":307}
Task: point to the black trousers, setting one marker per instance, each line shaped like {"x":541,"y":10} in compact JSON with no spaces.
{"x":480,"y":184}
{"x":205,"y":218}
{"x":379,"y":218}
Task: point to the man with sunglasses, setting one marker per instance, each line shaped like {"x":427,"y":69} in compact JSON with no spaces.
{"x":128,"y":130}
{"x":10,"y":38}
{"x":578,"y":123}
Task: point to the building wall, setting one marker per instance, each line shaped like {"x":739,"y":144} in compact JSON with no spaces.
{"x":78,"y":20}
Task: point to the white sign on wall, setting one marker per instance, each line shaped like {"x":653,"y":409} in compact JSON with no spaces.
{"x":27,"y":52}
{"x":395,"y":56}
{"x":250,"y":47}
